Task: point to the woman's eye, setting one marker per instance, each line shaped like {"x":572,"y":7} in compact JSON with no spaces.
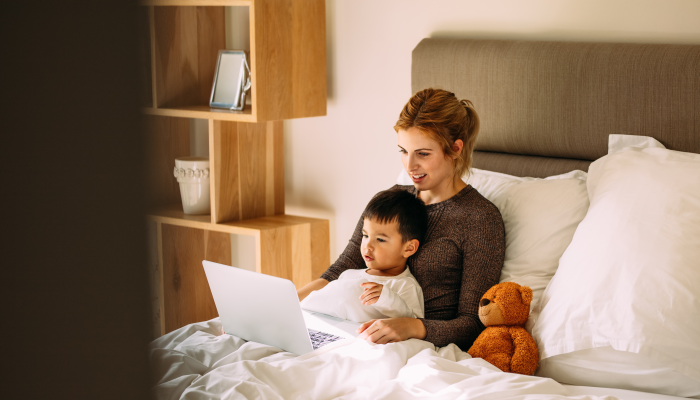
{"x":424,"y":154}
{"x":402,"y":151}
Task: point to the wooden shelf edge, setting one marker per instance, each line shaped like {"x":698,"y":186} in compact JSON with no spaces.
{"x":202,"y":112}
{"x":205,"y":112}
{"x":195,"y":2}
{"x":273,"y":222}
{"x":248,"y":227}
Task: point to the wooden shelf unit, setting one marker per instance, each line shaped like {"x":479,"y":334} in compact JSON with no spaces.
{"x":246,"y":148}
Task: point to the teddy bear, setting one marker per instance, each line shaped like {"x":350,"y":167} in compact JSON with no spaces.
{"x":504,"y":309}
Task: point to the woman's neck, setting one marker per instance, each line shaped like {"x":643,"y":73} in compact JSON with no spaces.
{"x":442,"y":192}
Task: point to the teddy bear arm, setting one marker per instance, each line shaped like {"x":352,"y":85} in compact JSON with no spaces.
{"x":525,"y":356}
{"x":484,"y":342}
{"x":477,"y":349}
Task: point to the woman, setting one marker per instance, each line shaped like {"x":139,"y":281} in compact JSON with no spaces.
{"x":462,"y":254}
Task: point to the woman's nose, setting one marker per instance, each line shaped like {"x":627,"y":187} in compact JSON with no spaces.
{"x":412,"y":162}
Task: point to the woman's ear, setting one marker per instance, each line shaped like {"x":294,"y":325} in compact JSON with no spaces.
{"x":457,"y":146}
{"x":410,"y":248}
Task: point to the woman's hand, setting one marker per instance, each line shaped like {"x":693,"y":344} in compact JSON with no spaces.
{"x":382,"y":331}
{"x":371,"y":293}
{"x":318,"y":284}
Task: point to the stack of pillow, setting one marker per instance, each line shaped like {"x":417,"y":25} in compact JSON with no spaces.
{"x":618,"y":251}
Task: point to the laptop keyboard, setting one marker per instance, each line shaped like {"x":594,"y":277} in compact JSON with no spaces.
{"x":320,"y":339}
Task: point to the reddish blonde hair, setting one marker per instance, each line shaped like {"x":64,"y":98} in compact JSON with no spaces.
{"x":442,"y":117}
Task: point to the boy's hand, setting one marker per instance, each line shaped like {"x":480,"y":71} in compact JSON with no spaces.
{"x":382,"y":331}
{"x":371,"y":293}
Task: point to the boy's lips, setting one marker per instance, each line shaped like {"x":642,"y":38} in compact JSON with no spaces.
{"x":368,"y":258}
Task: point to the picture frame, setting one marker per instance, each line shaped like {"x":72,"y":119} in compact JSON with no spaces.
{"x":232,"y":80}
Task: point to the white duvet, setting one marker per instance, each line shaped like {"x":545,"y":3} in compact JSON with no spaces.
{"x":195,"y":362}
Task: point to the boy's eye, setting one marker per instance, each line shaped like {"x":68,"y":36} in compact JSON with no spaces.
{"x":364,"y":235}
{"x":381,"y":240}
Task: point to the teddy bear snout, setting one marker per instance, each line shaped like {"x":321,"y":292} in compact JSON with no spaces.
{"x":484,"y":302}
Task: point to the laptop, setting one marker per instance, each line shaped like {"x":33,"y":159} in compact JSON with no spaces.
{"x":266,"y":309}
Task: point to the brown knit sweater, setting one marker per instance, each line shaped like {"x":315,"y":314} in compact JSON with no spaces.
{"x":460,"y":259}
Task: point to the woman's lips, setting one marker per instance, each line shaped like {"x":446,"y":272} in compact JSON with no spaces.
{"x":418,"y":177}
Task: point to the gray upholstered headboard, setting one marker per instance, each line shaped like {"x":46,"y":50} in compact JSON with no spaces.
{"x":548,"y":107}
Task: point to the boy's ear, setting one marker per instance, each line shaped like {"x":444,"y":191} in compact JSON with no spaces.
{"x":410,"y":248}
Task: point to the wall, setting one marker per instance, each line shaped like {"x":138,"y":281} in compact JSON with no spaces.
{"x":334,"y":164}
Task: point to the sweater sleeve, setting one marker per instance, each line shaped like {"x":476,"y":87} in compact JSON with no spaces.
{"x":351,"y":258}
{"x":483,"y":254}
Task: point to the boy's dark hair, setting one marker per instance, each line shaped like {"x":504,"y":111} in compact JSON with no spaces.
{"x":399,"y":205}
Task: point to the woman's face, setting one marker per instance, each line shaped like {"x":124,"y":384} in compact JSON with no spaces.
{"x":424,"y":160}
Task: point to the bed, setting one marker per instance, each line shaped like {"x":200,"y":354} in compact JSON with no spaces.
{"x":577,"y":141}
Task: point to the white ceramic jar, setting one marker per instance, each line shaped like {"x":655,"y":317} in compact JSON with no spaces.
{"x":193,"y":175}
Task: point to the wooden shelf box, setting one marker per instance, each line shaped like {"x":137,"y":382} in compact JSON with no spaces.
{"x":290,"y":247}
{"x":287,"y":58}
{"x":246,"y":163}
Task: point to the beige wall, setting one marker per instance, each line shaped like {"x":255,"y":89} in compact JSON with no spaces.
{"x":334,"y":164}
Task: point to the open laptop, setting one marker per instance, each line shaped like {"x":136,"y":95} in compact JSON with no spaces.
{"x":266,"y":309}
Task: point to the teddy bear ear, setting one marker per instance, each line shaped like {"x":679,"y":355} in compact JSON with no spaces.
{"x":526,"y":294}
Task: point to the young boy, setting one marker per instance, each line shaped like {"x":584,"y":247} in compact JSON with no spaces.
{"x":395,"y":223}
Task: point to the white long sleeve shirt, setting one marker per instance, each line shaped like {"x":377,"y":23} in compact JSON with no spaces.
{"x":401,"y":296}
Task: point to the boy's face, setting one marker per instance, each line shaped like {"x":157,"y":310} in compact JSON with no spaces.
{"x":383,"y":249}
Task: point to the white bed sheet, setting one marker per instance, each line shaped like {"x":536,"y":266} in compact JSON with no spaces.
{"x":195,"y":362}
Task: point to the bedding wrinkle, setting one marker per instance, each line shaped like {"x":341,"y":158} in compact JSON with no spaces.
{"x":460,"y":259}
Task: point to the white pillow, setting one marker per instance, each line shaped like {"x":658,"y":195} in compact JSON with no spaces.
{"x":631,"y":277}
{"x":540,"y":217}
{"x":619,"y":143}
{"x":607,"y":367}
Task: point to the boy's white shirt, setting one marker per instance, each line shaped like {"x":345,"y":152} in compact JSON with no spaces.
{"x":401,"y":296}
